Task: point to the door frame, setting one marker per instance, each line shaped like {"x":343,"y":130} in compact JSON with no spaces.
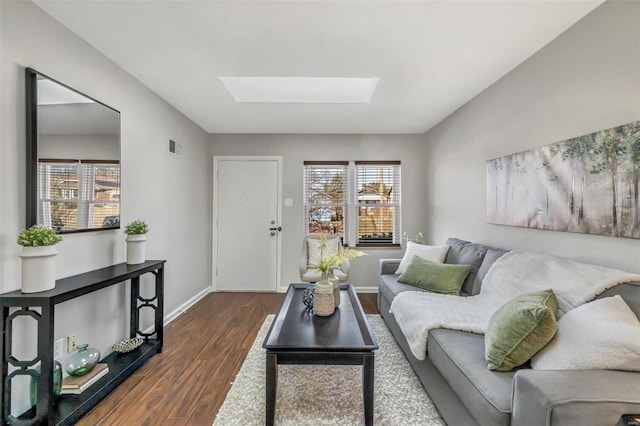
{"x":214,"y":216}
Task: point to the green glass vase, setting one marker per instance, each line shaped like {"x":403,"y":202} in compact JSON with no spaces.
{"x":83,"y":361}
{"x":57,"y":384}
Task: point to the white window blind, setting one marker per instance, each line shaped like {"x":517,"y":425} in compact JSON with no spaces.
{"x":378,"y":202}
{"x":325,"y":197}
{"x":75,"y":194}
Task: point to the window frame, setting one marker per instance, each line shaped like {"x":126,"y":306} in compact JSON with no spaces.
{"x":352,"y":204}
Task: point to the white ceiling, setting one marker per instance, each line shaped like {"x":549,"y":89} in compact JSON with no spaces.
{"x":431,"y":56}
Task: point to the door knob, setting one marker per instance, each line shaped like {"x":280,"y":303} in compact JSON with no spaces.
{"x":279,"y":228}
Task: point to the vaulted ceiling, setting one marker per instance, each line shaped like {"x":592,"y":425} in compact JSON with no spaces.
{"x":431,"y":56}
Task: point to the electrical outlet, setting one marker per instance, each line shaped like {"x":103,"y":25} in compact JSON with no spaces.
{"x":72,"y":342}
{"x":58,"y":349}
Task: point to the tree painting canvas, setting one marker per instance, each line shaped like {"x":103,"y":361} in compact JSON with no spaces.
{"x":588,"y":184}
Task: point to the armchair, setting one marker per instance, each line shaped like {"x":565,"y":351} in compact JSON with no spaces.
{"x":308,"y":272}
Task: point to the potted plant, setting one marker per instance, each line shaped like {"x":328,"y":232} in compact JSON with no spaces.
{"x":38,"y":258}
{"x":136,"y":240}
{"x":326,"y":265}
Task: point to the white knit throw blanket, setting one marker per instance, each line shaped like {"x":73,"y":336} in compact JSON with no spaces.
{"x":515,"y":273}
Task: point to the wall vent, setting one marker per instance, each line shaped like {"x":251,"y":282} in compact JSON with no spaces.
{"x":175,"y":148}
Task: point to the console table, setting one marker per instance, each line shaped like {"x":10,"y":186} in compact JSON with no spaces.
{"x":70,"y":408}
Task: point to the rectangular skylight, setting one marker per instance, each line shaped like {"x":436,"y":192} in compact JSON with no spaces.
{"x":305,"y":90}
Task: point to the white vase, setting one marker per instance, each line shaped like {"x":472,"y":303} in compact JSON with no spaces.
{"x":136,"y":244}
{"x":335,"y":281}
{"x":323,"y":304}
{"x":38,"y":268}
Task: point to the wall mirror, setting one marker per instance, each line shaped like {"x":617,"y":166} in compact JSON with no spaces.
{"x":73,"y":158}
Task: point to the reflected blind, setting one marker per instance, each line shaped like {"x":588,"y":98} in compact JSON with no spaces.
{"x":325,"y":192}
{"x":378,"y":202}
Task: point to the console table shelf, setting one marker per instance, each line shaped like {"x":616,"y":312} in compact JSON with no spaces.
{"x":70,"y":408}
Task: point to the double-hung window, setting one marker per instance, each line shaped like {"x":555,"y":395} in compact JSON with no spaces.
{"x":325,"y":197}
{"x":78,"y":193}
{"x":359,"y":201}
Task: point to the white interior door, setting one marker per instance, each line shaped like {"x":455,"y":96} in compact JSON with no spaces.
{"x":246,"y":221}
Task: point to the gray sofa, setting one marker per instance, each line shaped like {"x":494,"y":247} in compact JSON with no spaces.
{"x":466,"y":392}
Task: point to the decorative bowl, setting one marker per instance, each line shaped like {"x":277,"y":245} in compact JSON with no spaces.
{"x":127,"y":345}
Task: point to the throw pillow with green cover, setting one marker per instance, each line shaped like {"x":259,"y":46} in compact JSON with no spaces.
{"x":437,"y":277}
{"x":519,"y":329}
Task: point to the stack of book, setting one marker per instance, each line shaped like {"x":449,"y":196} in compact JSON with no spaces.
{"x":72,"y":385}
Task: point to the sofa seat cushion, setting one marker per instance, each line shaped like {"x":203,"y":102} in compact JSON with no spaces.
{"x":390,"y":287}
{"x":459,"y":357}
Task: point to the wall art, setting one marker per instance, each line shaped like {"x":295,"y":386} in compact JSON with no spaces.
{"x":588,"y":184}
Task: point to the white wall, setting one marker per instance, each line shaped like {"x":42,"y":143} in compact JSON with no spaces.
{"x":171,"y":194}
{"x":586,"y":80}
{"x":79,"y":147}
{"x":295,"y":149}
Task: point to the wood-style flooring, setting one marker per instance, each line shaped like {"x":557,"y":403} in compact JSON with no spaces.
{"x":203,"y":350}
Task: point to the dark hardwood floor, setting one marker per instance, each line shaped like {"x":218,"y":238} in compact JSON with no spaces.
{"x":203,"y":351}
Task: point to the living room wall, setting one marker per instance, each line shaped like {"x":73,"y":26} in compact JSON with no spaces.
{"x":586,"y":80}
{"x":169,"y":193}
{"x":295,"y":149}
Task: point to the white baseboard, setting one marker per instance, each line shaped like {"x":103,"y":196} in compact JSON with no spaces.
{"x":186,"y":305}
{"x":181,"y":309}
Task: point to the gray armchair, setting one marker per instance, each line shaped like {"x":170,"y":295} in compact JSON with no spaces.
{"x":307,"y":271}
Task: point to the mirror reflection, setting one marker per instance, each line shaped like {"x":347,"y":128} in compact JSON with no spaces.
{"x":77,"y":175}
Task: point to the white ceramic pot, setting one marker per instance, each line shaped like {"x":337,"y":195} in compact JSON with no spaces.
{"x":38,"y":268}
{"x":136,"y":245}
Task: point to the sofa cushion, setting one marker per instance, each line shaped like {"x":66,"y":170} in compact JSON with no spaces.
{"x":459,"y":357}
{"x":466,"y":253}
{"x":432,"y":253}
{"x":437,"y":277}
{"x":519,"y":329}
{"x":390,"y":287}
{"x":489,"y":259}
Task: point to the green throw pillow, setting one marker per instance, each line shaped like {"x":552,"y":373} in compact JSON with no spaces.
{"x":437,"y":277}
{"x":519,"y":329}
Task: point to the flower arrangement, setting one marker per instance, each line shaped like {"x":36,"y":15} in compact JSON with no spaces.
{"x":137,"y":227}
{"x":38,"y":236}
{"x":333,"y":260}
{"x":418,"y":238}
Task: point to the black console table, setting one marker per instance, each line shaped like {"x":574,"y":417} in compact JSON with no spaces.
{"x":70,"y":408}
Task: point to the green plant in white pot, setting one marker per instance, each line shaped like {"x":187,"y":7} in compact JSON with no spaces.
{"x":38,"y":258}
{"x":136,"y":241}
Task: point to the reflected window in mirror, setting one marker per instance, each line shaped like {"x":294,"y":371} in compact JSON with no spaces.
{"x":73,"y":165}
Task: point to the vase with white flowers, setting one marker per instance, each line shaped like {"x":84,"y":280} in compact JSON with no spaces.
{"x":38,"y":258}
{"x":328,"y":262}
{"x":136,"y":241}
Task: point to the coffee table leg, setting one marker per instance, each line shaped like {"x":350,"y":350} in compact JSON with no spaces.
{"x":367,"y":387}
{"x":272,"y":388}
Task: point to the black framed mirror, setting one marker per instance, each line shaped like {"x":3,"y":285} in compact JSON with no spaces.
{"x":73,"y":158}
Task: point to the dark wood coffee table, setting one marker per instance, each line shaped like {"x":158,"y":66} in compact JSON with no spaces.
{"x":299,"y":337}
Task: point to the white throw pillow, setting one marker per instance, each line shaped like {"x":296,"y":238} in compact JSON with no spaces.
{"x":313,"y":245}
{"x":603,"y":334}
{"x":433,"y":253}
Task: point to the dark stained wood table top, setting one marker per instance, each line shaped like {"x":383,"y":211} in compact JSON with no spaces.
{"x":296,"y":329}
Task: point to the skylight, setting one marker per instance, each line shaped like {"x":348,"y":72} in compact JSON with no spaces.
{"x":305,"y":90}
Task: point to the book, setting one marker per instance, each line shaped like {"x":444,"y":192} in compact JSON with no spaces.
{"x":77,"y":385}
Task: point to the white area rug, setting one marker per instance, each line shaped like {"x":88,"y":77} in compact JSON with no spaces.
{"x":330,"y":395}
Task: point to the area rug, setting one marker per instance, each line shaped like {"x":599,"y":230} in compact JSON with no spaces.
{"x":329,"y":395}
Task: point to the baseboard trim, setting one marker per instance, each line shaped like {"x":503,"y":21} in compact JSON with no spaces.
{"x":181,"y":309}
{"x":185,"y":306}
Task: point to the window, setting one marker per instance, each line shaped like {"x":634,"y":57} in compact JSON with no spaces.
{"x":360,"y":201}
{"x":78,"y":193}
{"x":378,"y":202}
{"x":325,"y":191}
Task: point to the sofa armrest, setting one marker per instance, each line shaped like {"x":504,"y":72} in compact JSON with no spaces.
{"x":576,"y":397}
{"x":388,"y":266}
